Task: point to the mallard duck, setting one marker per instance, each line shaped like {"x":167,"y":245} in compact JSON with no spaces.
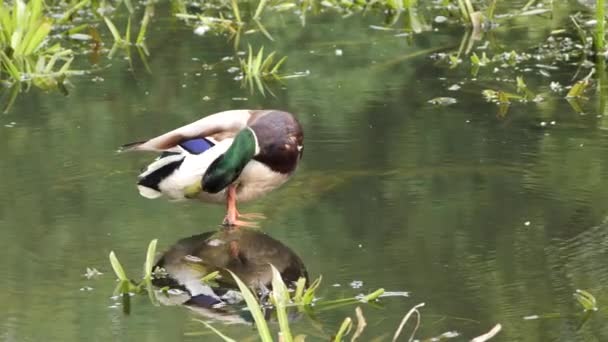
{"x":235,"y":155}
{"x":245,"y":252}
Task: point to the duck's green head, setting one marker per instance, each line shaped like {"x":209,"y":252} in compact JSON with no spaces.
{"x":227,"y":167}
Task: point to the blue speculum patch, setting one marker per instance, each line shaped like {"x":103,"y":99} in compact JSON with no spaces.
{"x":197,"y":145}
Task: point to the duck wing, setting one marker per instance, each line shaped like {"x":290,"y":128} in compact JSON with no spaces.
{"x":217,"y":126}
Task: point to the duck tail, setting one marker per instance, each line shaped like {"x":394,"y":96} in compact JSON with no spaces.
{"x":149,"y":181}
{"x":133,"y":146}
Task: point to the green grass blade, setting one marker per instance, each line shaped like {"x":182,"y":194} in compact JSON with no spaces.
{"x":586,"y":299}
{"x":309,"y":294}
{"x":33,"y":40}
{"x":117,"y":267}
{"x":210,"y":277}
{"x":259,"y":9}
{"x":11,"y":68}
{"x":34,"y":13}
{"x":344,"y":329}
{"x":263,"y":29}
{"x":257,"y":64}
{"x":578,"y":89}
{"x":49,"y":66}
{"x":267,"y":62}
{"x":128,"y":33}
{"x":150,"y":255}
{"x":463,"y":11}
{"x":276,"y":67}
{"x":260,"y":84}
{"x":144,"y":24}
{"x":300,"y":285}
{"x":217,"y":332}
{"x":129,"y":6}
{"x":280,"y":296}
{"x":600,"y":33}
{"x":237,"y":12}
{"x":255,"y":309}
{"x":66,"y":65}
{"x":14,"y":91}
{"x":491,"y":9}
{"x":373,"y":296}
{"x":68,"y":14}
{"x":250,"y":60}
{"x":113,"y":30}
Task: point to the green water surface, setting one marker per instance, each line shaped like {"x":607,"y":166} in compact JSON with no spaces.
{"x":485,"y":218}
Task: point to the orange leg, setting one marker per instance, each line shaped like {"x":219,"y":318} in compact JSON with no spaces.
{"x":234,"y":249}
{"x":232,"y":214}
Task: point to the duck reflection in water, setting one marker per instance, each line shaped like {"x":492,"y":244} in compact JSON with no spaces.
{"x":245,"y":252}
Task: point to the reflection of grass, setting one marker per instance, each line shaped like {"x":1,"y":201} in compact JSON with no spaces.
{"x":599,"y":15}
{"x":258,"y":68}
{"x":282,"y":299}
{"x":127,"y":286}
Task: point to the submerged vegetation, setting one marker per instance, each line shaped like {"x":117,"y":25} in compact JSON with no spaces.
{"x":26,"y":56}
{"x":31,"y":54}
{"x":275,"y":307}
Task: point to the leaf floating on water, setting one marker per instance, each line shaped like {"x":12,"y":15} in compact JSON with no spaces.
{"x":586,"y":299}
{"x":443,"y":101}
{"x":578,"y":89}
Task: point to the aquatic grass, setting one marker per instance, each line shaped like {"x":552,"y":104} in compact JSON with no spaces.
{"x":586,"y":300}
{"x":24,"y":27}
{"x":237,"y":12}
{"x":599,"y":31}
{"x":25,"y":54}
{"x":8,"y":97}
{"x":308,"y":295}
{"x":125,"y":283}
{"x":118,"y":38}
{"x":259,"y":9}
{"x":258,"y":68}
{"x":210,"y":278}
{"x":469,"y":15}
{"x":280,"y":299}
{"x":254,"y":308}
{"x":148,"y":13}
{"x":150,"y":256}
{"x":579,"y":88}
{"x":117,"y":267}
{"x":72,"y":10}
{"x":344,"y":329}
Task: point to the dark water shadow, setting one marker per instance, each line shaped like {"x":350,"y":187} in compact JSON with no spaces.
{"x":245,"y":252}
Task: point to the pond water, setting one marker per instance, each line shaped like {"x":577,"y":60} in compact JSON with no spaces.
{"x":485,"y":217}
